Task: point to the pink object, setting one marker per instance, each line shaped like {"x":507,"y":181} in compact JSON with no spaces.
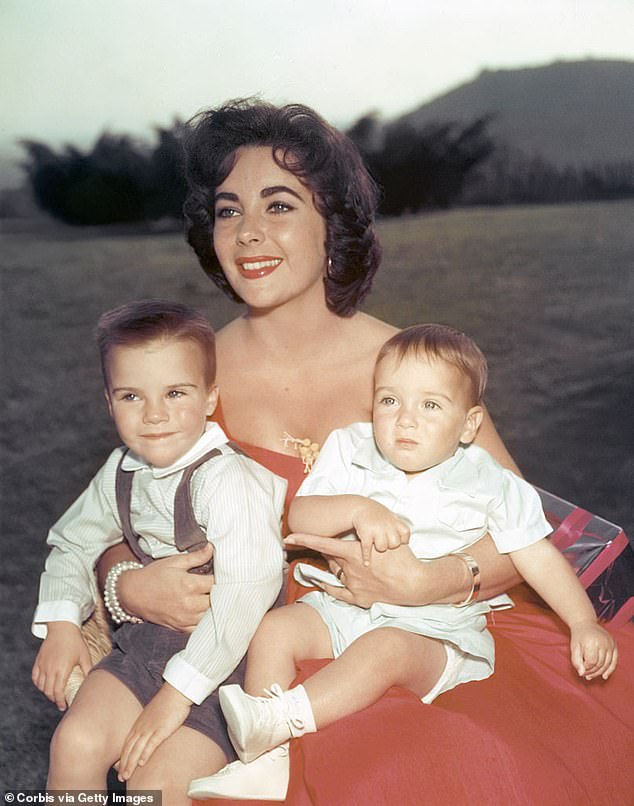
{"x":600,"y":553}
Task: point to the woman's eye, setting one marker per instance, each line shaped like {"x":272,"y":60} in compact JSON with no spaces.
{"x":280,"y":207}
{"x":226,"y":212}
{"x":129,"y":396}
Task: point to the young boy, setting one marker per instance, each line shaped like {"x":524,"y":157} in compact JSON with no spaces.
{"x":410,"y":476}
{"x":186,"y":485}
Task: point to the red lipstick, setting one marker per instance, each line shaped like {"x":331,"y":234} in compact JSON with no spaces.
{"x":253,"y":268}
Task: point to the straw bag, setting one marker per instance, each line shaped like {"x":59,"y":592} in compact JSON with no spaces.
{"x":96,"y":633}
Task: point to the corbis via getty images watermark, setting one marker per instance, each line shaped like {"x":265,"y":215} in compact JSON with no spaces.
{"x":84,"y":796}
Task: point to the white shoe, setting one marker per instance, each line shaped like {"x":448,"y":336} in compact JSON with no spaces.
{"x":266,"y":778}
{"x":257,"y":724}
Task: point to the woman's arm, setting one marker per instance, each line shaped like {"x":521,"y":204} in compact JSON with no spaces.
{"x":162,"y":592}
{"x":397,"y":577}
{"x":114,"y":555}
{"x":489,"y":439}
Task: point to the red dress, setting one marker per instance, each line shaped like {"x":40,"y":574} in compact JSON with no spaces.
{"x":533,"y":734}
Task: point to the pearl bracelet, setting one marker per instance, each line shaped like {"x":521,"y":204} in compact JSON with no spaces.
{"x":110,"y":598}
{"x":474,"y":570}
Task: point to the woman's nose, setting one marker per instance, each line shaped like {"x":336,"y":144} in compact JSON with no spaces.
{"x":250,"y":230}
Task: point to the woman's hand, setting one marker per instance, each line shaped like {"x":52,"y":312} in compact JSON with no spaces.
{"x":163,"y":592}
{"x":393,"y":577}
{"x":397,"y":577}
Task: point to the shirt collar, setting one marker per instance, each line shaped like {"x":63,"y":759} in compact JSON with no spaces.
{"x":455,"y":473}
{"x":368,"y":456}
{"x":460,"y":473}
{"x":213,"y":437}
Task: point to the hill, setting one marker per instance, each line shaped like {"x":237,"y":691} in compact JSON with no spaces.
{"x":576,"y":113}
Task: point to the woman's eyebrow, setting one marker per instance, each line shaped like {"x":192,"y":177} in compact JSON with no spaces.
{"x":271,"y":191}
{"x":227,"y":196}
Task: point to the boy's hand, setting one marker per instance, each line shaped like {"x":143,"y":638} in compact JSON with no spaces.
{"x":376,"y":526}
{"x":593,"y":650}
{"x":163,"y":715}
{"x":61,"y":650}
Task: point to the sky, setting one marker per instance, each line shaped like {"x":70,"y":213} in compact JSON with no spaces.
{"x":70,"y":69}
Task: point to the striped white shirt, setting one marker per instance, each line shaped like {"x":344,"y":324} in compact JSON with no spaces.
{"x":236,"y":501}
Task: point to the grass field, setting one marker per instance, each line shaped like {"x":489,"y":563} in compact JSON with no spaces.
{"x":547,"y":292}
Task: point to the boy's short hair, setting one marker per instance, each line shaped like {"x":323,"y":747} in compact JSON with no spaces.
{"x":149,"y":319}
{"x":443,"y":342}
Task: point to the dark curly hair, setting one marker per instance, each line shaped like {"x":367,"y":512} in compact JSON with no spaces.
{"x":320,"y":156}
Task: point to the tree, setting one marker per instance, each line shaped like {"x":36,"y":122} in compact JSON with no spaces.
{"x":119,"y":180}
{"x":168,"y":186}
{"x":419,"y":168}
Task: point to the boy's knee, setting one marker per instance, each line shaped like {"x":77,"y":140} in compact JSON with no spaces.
{"x":75,"y":739}
{"x":161,"y":778}
{"x":392,"y":640}
{"x":273,"y":624}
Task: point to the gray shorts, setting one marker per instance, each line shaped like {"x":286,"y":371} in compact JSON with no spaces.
{"x":138,"y":658}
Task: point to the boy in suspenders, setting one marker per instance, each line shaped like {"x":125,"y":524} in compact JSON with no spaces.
{"x":176,"y":484}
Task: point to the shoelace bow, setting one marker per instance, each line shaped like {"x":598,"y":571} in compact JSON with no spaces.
{"x":294,"y":723}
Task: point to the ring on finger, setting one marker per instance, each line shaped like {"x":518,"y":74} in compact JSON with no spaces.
{"x":339,"y":574}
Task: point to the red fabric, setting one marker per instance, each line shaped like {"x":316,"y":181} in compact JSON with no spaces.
{"x":533,"y":734}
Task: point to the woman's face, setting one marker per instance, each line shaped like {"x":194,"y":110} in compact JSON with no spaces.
{"x":268,"y":236}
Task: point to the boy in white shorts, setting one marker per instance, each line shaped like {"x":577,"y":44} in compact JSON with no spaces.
{"x":412,"y":476}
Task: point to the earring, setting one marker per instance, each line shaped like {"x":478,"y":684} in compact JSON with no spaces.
{"x":329,"y":269}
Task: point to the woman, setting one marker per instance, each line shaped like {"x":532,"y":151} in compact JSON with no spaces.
{"x":280,"y":213}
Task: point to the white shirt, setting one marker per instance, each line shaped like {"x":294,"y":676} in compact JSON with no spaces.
{"x":235,"y":500}
{"x":447,"y":507}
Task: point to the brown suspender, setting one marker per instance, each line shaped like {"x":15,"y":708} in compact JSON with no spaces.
{"x":188,"y":535}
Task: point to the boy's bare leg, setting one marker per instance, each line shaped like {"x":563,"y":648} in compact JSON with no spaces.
{"x":185,"y":755}
{"x":89,"y":738}
{"x":361,"y":675}
{"x":371,"y":665}
{"x":285,"y":635}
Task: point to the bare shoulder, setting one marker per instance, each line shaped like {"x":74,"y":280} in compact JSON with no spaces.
{"x":366,"y":334}
{"x":377,"y":328}
{"x":229,"y":331}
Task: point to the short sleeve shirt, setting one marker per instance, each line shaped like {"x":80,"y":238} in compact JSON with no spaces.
{"x":447,"y":507}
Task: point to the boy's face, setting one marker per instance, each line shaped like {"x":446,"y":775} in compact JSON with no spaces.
{"x":159,"y":398}
{"x":421,"y":412}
